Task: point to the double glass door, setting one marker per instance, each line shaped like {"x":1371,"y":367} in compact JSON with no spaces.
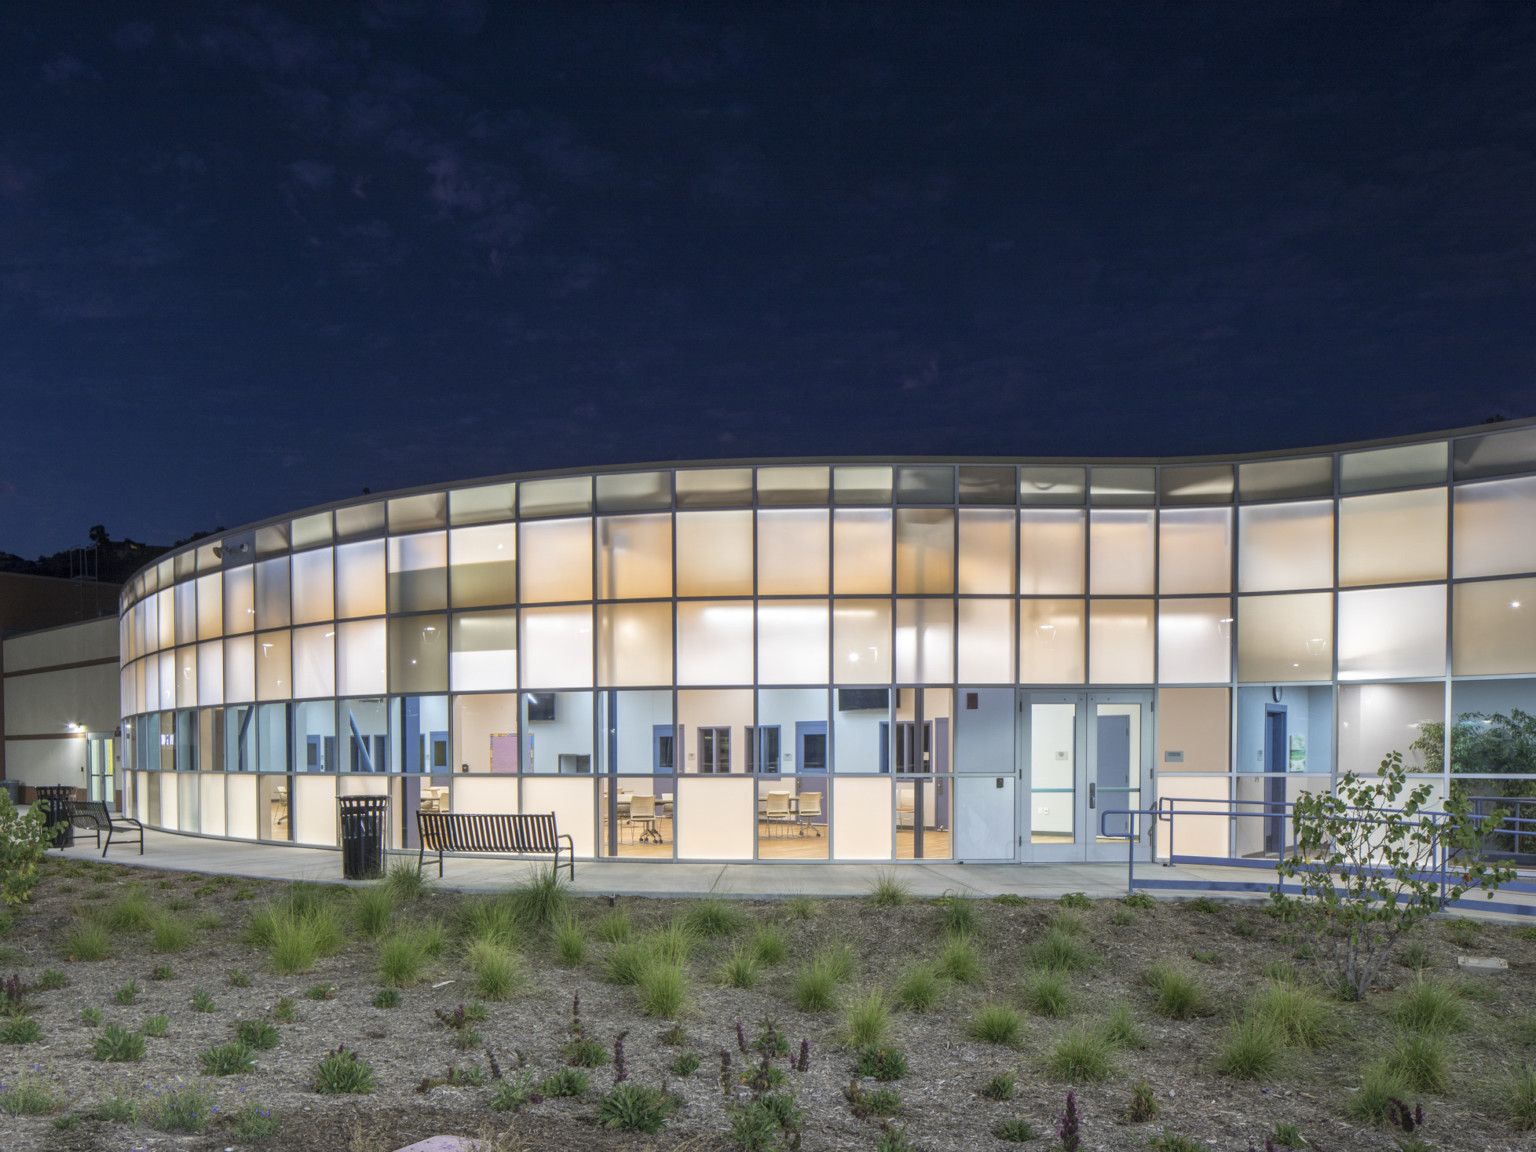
{"x":100,"y":776}
{"x":1086,"y":762}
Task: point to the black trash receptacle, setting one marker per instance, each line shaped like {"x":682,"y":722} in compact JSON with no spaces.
{"x":363,"y":826}
{"x":55,"y":800}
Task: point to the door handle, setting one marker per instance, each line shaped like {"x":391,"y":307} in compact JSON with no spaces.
{"x":1092,"y":796}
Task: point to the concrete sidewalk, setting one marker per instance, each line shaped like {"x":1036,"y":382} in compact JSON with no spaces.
{"x":182,"y":853}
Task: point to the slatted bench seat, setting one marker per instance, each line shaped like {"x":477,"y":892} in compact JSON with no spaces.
{"x":92,"y":816}
{"x":533,"y":832}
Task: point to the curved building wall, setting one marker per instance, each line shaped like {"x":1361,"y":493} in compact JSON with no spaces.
{"x":858,"y":661}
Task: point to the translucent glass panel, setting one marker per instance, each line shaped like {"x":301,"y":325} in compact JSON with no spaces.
{"x":634,"y":491}
{"x":716,"y":819}
{"x":210,"y":607}
{"x":414,"y":513}
{"x":793,"y":552}
{"x":239,"y":600}
{"x":1285,"y":546}
{"x":314,"y":586}
{"x":862,"y":830}
{"x":272,"y":593}
{"x":1393,"y":467}
{"x":186,"y":677}
{"x":861,"y":641}
{"x":1053,"y":485}
{"x":1390,"y":632}
{"x":418,"y":572}
{"x":1117,"y":485}
{"x":556,"y":560}
{"x":1495,"y":528}
{"x":986,"y":550}
{"x":239,"y":670}
{"x":925,"y":641}
{"x":360,"y":520}
{"x":360,"y":579}
{"x":714,"y":487}
{"x":1051,"y":635}
{"x":925,"y":551}
{"x":1286,"y":479}
{"x":418,"y":654}
{"x":1121,"y":547}
{"x":314,"y":661}
{"x":634,"y":644}
{"x":270,"y":541}
{"x":984,"y":649}
{"x":570,"y":801}
{"x":360,"y":666}
{"x":484,"y":652}
{"x":1392,"y":538}
{"x":1197,"y":484}
{"x":1497,"y":454}
{"x":186,"y":612}
{"x":793,"y":639}
{"x":861,"y":551}
{"x":925,"y":484}
{"x":274,"y":666}
{"x":1194,"y":551}
{"x":862,"y":485}
{"x":557,"y":647}
{"x":793,"y":485}
{"x":1052,"y":560}
{"x":714,"y":553}
{"x":563,"y":496}
{"x":634,"y":557}
{"x":714,"y":642}
{"x":1494,"y":628}
{"x":308,"y":531}
{"x":1120,"y":641}
{"x":210,"y":673}
{"x":483,"y":565}
{"x":988,"y":484}
{"x":1194,"y":641}
{"x":167,"y":617}
{"x":1285,"y":638}
{"x":482,"y":505}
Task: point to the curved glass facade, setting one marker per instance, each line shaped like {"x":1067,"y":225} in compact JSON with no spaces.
{"x":848,"y":660}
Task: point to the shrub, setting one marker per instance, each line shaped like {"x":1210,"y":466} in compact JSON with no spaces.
{"x":627,"y":963}
{"x":1378,"y":1089}
{"x":497,"y":971}
{"x":1251,"y":1049}
{"x":343,"y":1072}
{"x":91,"y":1016}
{"x":162,"y":972}
{"x":126,"y":993}
{"x":1138,"y":900}
{"x":884,"y":1064}
{"x":1420,"y":1062}
{"x":1003,"y":1086}
{"x":492,"y":919}
{"x":712,"y":916}
{"x":866,"y":1019}
{"x":118,"y":1045}
{"x":24,"y":842}
{"x":1045,"y":994}
{"x":770,"y":945}
{"x":888,"y":890}
{"x":372,"y":908}
{"x":919,"y":988}
{"x":1178,"y":996}
{"x":405,"y":880}
{"x":1081,"y":1055}
{"x":958,"y":915}
{"x":87,"y":941}
{"x":1203,"y":904}
{"x":29,"y":1094}
{"x":253,"y":1123}
{"x":570,"y":941}
{"x":1060,"y":951}
{"x":228,"y":1059}
{"x":739,"y":969}
{"x":400,"y":960}
{"x":202,"y":1002}
{"x":1289,"y":1135}
{"x":565,"y":1082}
{"x":1295,"y":1014}
{"x":1143,"y":1105}
{"x":256,"y":1034}
{"x":1009,"y":899}
{"x":541,"y":899}
{"x":1430,"y":1006}
{"x":20,"y":1030}
{"x":631,"y":1107}
{"x":614,"y":927}
{"x":170,"y":934}
{"x":959,"y":961}
{"x":814,"y":989}
{"x":662,"y":991}
{"x":996,"y":1024}
{"x":1121,"y":1030}
{"x":1078,"y":900}
{"x":1517,"y":1097}
{"x":180,"y":1110}
{"x":686,"y":1064}
{"x":1015,"y":1131}
{"x":52,"y":979}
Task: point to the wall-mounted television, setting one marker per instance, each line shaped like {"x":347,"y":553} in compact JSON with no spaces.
{"x":864,"y":699}
{"x":541,"y":706}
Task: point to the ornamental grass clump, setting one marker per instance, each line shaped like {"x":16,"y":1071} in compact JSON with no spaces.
{"x":770,"y":945}
{"x":614,"y":927}
{"x":401,"y":959}
{"x":1430,"y":1006}
{"x":170,"y":934}
{"x":866,"y":1020}
{"x":1517,"y":1097}
{"x":542,"y":899}
{"x":1378,"y":1088}
{"x":1178,"y":996}
{"x":814,"y":988}
{"x":570,"y":941}
{"x":1081,"y":1056}
{"x":919,"y":988}
{"x":1059,"y":950}
{"x":498,"y":972}
{"x":662,"y":991}
{"x":87,"y":942}
{"x":1121,"y":1029}
{"x":1251,"y":1049}
{"x":959,"y":960}
{"x":739,"y":969}
{"x":489,"y":918}
{"x":996,"y":1024}
{"x":959,"y":914}
{"x":405,"y":881}
{"x":1296,"y":1014}
{"x":889,"y":891}
{"x":372,"y":909}
{"x":627,"y":963}
{"x":1420,"y":1061}
{"x":1045,"y":994}
{"x":711,"y":917}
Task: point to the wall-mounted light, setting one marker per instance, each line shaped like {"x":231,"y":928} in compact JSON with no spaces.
{"x":1046,"y":632}
{"x":1316,"y":646}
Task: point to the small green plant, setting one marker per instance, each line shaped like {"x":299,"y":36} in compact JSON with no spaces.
{"x":1081,"y":1056}
{"x":1121,"y":1029}
{"x":256,"y":1034}
{"x":541,"y":899}
{"x":959,"y":960}
{"x":401,"y":959}
{"x":1296,"y":1014}
{"x":162,"y":972}
{"x":565,"y":1082}
{"x":893,"y":1139}
{"x":343,"y":1072}
{"x":157,"y":1025}
{"x":884,"y":1064}
{"x":614,"y":927}
{"x":121,"y":1107}
{"x":1420,"y":1061}
{"x":631,"y":1107}
{"x":1138,"y":900}
{"x":570,"y":942}
{"x":1167,"y":1141}
{"x":406,"y":881}
{"x":770,"y":945}
{"x":252,"y":1124}
{"x":1123,"y":918}
{"x":87,"y":941}
{"x":739,"y":969}
{"x":1517,"y":1097}
{"x":52,"y":980}
{"x":1431,"y":1006}
{"x":686,"y":1064}
{"x":1178,"y":996}
{"x":1078,"y":900}
{"x":283,"y":1010}
{"x":1204,"y":956}
{"x":1009,"y":899}
{"x":1288,"y":1134}
{"x":1069,"y":922}
{"x":1244,"y":928}
{"x":1281,"y":972}
{"x":238,"y":979}
{"x":867,"y":1102}
{"x":1203,"y":904}
{"x":866,"y":1019}
{"x":126,"y":993}
{"x":1143,"y":1104}
{"x":919,"y":988}
{"x":91,"y":1016}
{"x":30,"y":1094}
{"x":1463,"y":933}
{"x":515,"y":1093}
{"x":387,"y":998}
{"x":889,"y":891}
{"x":958,"y":914}
{"x":185,"y":1109}
{"x":1250,"y":1051}
{"x":228,"y":1059}
{"x":1378,"y":1089}
{"x":497,"y":971}
{"x":1045,"y":994}
{"x":1059,"y":950}
{"x":202,"y":1001}
{"x":627,"y":962}
{"x":662,"y":991}
{"x":1003,"y":1086}
{"x":170,"y":934}
{"x":802,"y":907}
{"x":814,"y":988}
{"x":712,"y":916}
{"x":20,"y":1030}
{"x":996,"y":1024}
{"x":1015,"y":1131}
{"x":118,"y":1045}
{"x":67,"y":1122}
{"x":372,"y":909}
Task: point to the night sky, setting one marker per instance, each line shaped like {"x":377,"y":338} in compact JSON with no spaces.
{"x":254,"y":257}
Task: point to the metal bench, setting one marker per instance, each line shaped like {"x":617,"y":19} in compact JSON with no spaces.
{"x":534,"y":832}
{"x":92,"y":816}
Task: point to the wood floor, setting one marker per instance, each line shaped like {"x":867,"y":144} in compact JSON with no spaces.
{"x":777,"y":843}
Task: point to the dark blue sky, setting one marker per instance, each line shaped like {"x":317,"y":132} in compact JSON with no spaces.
{"x":258,"y":256}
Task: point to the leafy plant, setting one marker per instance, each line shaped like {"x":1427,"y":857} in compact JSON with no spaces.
{"x":257,"y":1034}
{"x":1045,"y":994}
{"x":20,"y":1030}
{"x":1078,"y":900}
{"x":253,"y":1123}
{"x":118,"y":1045}
{"x":1003,"y":1086}
{"x":866,"y":1019}
{"x":889,"y":891}
{"x":884,"y":1064}
{"x":202,"y":1002}
{"x":1009,"y":899}
{"x":631,"y":1107}
{"x":29,"y":1094}
{"x":185,"y":1109}
{"x":1069,"y":1125}
{"x":127,"y":992}
{"x":283,"y":1010}
{"x":228,"y":1059}
{"x":24,"y":842}
{"x":1167,"y":1141}
{"x":1138,"y":900}
{"x":1143,"y":1105}
{"x":156,"y":1025}
{"x":1204,"y":956}
{"x":1288,"y":1134}
{"x":867,"y":1102}
{"x":1081,"y":1055}
{"x":996,"y":1024}
{"x":959,"y":961}
{"x":163,"y":972}
{"x":343,"y":1072}
{"x":1203,"y":904}
{"x":51,"y":980}
{"x":119,"y":1108}
{"x":1122,"y":918}
{"x":516,"y":1093}
{"x":91,"y":1016}
{"x":565,"y":1082}
{"x":1365,"y":862}
{"x":1015,"y":1131}
{"x":919,"y":988}
{"x":712,"y":916}
{"x":387,"y":998}
{"x":1178,"y":996}
{"x":1251,"y":1049}
{"x":686,"y":1064}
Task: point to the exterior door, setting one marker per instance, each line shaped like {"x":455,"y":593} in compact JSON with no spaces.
{"x":1086,"y":762}
{"x":100,"y":783}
